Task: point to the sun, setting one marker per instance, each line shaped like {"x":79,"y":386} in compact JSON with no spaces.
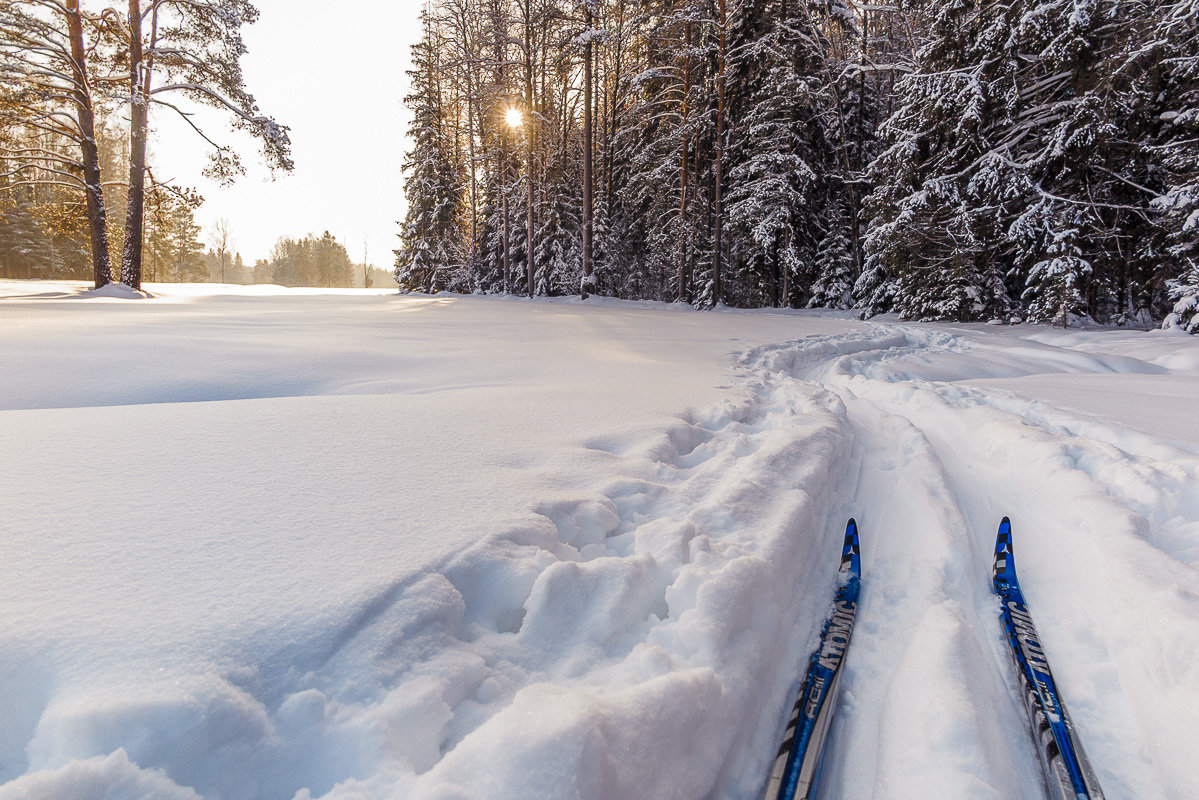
{"x":514,"y":118}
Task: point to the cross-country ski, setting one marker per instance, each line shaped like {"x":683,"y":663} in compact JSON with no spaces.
{"x":796,"y":772}
{"x":1068,"y":773}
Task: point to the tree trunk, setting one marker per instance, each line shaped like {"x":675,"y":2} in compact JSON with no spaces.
{"x":97,"y":215}
{"x":612,"y":91}
{"x":529,"y":141}
{"x":855,"y":211}
{"x":504,"y":221}
{"x":139,"y":115}
{"x":718,"y":236}
{"x":684,"y":290}
{"x":786,"y":300}
{"x":501,"y":47}
{"x":474,"y":178}
{"x":588,"y":276}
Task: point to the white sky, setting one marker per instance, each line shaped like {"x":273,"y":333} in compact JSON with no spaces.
{"x":335,"y":73}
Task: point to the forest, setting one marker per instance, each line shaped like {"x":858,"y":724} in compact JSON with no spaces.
{"x":961,"y":160}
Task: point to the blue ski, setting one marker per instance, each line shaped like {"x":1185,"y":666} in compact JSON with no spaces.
{"x":1068,"y":773}
{"x":797,"y":767}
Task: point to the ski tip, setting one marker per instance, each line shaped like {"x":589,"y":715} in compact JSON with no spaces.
{"x":1005,"y":567}
{"x":1003,"y":539}
{"x":850,"y":554}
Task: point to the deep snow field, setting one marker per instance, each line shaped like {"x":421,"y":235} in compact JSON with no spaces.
{"x":280,"y":543}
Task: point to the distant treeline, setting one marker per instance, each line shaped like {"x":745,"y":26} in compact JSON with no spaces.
{"x":962,"y":160}
{"x":313,"y":261}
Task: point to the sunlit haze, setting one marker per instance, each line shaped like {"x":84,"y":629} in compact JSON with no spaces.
{"x":335,"y":74}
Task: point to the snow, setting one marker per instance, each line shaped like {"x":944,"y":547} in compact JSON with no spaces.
{"x":266,"y":542}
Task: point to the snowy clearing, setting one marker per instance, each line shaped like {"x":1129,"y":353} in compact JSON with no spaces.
{"x":272,"y":543}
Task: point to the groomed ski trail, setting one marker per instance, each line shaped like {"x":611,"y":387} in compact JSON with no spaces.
{"x":1110,"y":522}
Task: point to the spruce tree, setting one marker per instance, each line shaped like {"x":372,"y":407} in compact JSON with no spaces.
{"x":1176,"y":50}
{"x":833,"y":286}
{"x":1056,"y":281}
{"x":1184,"y":291}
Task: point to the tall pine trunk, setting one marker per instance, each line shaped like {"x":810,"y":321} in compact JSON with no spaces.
{"x":529,"y":248}
{"x":139,"y":115}
{"x":97,"y":216}
{"x":588,"y":277}
{"x":717,"y":210}
{"x":501,"y":53}
{"x":684,"y":290}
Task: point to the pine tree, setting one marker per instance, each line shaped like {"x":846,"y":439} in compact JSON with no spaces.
{"x":773,"y":163}
{"x":47,"y":85}
{"x":651,"y":230}
{"x":1176,"y":50}
{"x":559,"y":239}
{"x":932,"y":249}
{"x":1087,"y":153}
{"x":194,"y":51}
{"x":1036,"y":155}
{"x":24,"y":243}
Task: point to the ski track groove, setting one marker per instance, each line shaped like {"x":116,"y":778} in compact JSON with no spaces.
{"x":1146,"y":494}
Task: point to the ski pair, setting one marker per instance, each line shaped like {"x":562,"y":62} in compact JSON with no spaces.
{"x":1067,"y":772}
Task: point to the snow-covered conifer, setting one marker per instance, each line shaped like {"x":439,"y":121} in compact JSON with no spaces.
{"x":433,"y":249}
{"x":1177,"y":52}
{"x":1057,"y":280}
{"x":1184,"y":291}
{"x":773,"y":162}
{"x":833,"y":287}
{"x":928,"y":252}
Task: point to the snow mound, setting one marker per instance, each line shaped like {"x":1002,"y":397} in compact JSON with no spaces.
{"x":112,"y":777}
{"x":116,"y":290}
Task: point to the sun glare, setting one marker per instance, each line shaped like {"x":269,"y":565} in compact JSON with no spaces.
{"x":514,"y":118}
